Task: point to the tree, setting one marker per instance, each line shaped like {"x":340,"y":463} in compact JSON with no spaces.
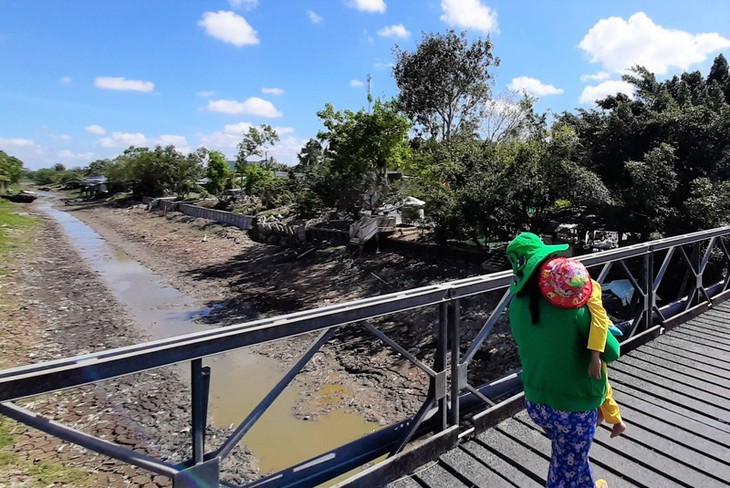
{"x":358,"y":143}
{"x":511,"y":117}
{"x":10,"y":170}
{"x":254,"y":143}
{"x":652,"y":183}
{"x":444,"y":83}
{"x":311,"y":155}
{"x":218,"y":172}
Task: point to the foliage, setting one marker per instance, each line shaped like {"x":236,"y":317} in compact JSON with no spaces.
{"x":12,"y":226}
{"x":444,"y":83}
{"x":255,"y":142}
{"x":10,"y":170}
{"x":218,"y":173}
{"x":656,"y":151}
{"x":256,"y":177}
{"x":360,"y":148}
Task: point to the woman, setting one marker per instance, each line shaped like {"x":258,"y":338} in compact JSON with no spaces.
{"x":560,"y":397}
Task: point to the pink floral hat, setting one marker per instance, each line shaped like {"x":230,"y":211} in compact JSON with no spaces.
{"x":565,"y":283}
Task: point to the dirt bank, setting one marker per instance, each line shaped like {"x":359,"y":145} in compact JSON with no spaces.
{"x":250,"y":280}
{"x":65,"y":309}
{"x":54,"y":306}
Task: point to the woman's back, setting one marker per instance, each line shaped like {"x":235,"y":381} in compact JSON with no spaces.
{"x":554,"y":356}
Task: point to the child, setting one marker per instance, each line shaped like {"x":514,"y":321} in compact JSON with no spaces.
{"x":566,"y":283}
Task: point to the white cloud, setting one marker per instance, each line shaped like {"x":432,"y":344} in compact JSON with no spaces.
{"x":356,"y":83}
{"x":252,"y":106}
{"x":469,"y":14}
{"x":383,"y":64}
{"x":592,"y":93}
{"x":533,"y":86}
{"x":206,"y":93}
{"x":60,"y":137}
{"x":272,"y":91}
{"x":66,"y":80}
{"x":123,"y":140}
{"x":121,"y":83}
{"x":619,"y":44}
{"x":395,"y":31}
{"x":16,"y":142}
{"x":601,"y":75}
{"x":314,"y":17}
{"x":244,"y":4}
{"x":373,"y":6}
{"x":68,"y":154}
{"x":172,"y":140}
{"x":95,"y":129}
{"x":228,"y":27}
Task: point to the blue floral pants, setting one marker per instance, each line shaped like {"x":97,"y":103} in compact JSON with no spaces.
{"x":571,"y":434}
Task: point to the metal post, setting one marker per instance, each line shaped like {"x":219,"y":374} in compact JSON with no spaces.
{"x":439,"y":363}
{"x":200,"y":387}
{"x":697,"y":269}
{"x":649,"y":283}
{"x":455,"y":341}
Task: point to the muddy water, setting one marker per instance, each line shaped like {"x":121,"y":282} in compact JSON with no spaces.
{"x":239,"y":379}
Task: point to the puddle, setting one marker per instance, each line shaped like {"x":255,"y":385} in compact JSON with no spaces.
{"x":239,"y":379}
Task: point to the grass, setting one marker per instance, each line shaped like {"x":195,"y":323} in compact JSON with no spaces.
{"x":16,"y":231}
{"x":13,"y":232}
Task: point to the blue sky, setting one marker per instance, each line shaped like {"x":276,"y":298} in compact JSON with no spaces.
{"x":83,"y":79}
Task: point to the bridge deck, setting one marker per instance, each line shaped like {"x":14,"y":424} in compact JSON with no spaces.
{"x":674,"y":394}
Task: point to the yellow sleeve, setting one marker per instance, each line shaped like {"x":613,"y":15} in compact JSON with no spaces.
{"x":599,"y":320}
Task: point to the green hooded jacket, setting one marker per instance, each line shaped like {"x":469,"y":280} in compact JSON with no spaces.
{"x":555,"y":358}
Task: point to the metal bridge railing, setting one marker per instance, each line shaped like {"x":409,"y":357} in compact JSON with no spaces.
{"x":701,"y":259}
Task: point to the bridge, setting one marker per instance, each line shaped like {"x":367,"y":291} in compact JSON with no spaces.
{"x":673,"y":384}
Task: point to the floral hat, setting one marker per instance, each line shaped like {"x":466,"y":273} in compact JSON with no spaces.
{"x":525,"y":252}
{"x":565,"y":283}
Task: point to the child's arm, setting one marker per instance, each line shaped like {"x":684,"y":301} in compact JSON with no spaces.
{"x":598,"y":330}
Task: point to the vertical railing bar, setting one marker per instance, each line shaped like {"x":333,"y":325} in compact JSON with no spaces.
{"x":200,"y":383}
{"x":440,"y":359}
{"x":727,"y":260}
{"x":649,"y":297}
{"x":487,"y":327}
{"x":259,"y":410}
{"x":455,"y":343}
{"x":697,"y":258}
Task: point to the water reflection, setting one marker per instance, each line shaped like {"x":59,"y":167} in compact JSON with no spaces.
{"x":239,"y":379}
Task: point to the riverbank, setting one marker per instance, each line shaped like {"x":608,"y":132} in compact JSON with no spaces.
{"x":54,"y":306}
{"x":239,"y":280}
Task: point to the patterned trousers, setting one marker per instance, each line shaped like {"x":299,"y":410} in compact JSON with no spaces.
{"x":571,"y":434}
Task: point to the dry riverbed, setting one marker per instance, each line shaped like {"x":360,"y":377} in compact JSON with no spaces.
{"x":61,"y":307}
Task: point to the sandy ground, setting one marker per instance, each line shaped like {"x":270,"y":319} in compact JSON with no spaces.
{"x":49,"y":293}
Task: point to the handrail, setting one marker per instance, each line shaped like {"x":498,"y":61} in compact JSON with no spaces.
{"x":447,"y":394}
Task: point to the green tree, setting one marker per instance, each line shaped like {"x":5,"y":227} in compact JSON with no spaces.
{"x":358,"y":143}
{"x":652,"y":182}
{"x":11,"y":169}
{"x":444,"y":83}
{"x":255,"y":142}
{"x":218,"y":172}
{"x":256,"y":177}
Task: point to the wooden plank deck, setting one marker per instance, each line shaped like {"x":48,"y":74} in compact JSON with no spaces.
{"x":674,"y":394}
